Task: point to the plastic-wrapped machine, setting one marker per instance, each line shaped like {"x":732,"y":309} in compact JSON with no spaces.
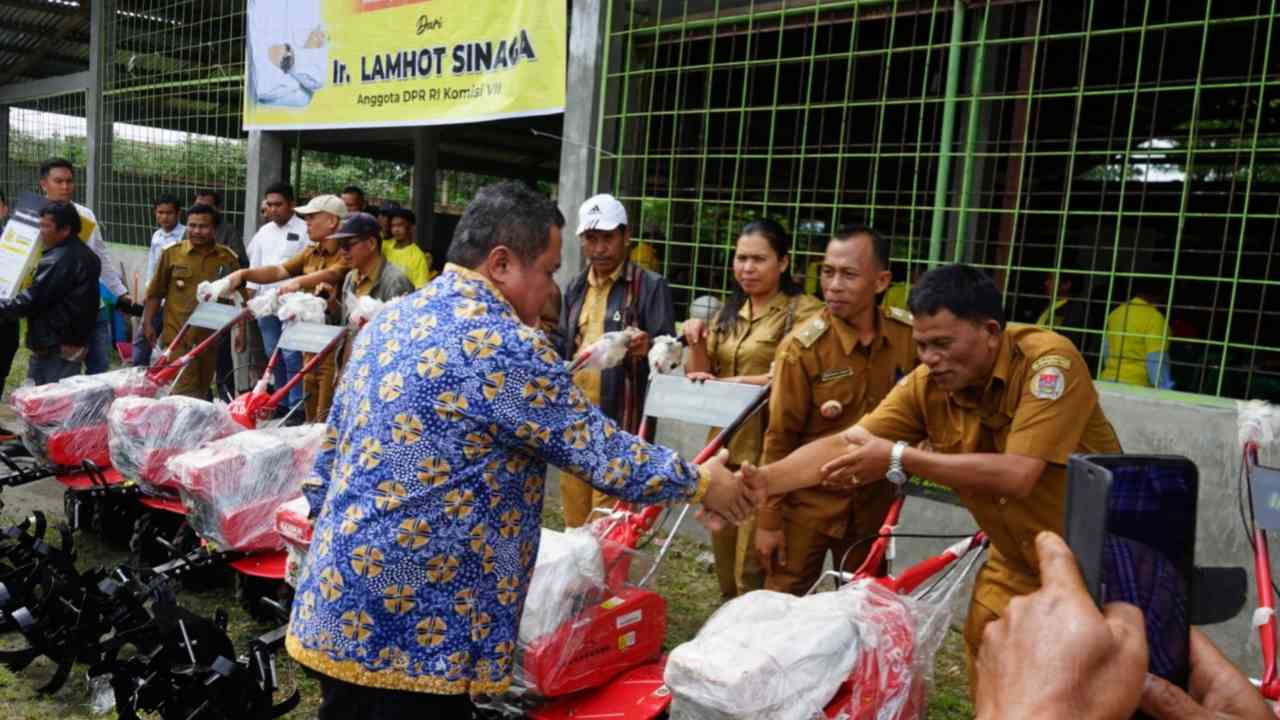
{"x":233,"y":486}
{"x":65,"y":422}
{"x":584,"y":622}
{"x":144,"y":433}
{"x":293,"y":523}
{"x":861,"y":652}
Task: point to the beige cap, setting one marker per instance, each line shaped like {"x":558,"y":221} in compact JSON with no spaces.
{"x":331,"y":204}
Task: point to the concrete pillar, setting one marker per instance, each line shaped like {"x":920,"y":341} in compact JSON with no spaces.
{"x":582,"y":107}
{"x":6,"y":182}
{"x":265,"y":155}
{"x":426,"y":152}
{"x":97,"y":113}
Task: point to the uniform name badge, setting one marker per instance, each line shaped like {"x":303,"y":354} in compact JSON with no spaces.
{"x":1048,"y":383}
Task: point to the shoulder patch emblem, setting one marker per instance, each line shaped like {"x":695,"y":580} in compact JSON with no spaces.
{"x":812,"y":330}
{"x":1051,"y":361}
{"x":900,"y":315}
{"x":1048,"y":383}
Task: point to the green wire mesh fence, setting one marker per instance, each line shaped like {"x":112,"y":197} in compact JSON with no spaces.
{"x":1121,"y":146}
{"x":39,"y":129}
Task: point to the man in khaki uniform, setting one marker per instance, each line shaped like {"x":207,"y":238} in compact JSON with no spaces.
{"x":319,"y":264}
{"x":1002,"y":408}
{"x":179,"y":272}
{"x":828,"y":373}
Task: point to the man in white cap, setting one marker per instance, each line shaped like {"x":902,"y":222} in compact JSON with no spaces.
{"x":319,"y":268}
{"x":612,"y":294}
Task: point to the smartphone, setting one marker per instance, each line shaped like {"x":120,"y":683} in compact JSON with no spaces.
{"x":1131,"y":521}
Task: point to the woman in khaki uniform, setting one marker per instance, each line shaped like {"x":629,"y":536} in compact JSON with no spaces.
{"x":739,"y":346}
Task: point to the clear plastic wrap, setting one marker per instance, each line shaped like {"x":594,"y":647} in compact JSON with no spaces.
{"x":606,"y":352}
{"x":293,"y":523}
{"x":569,"y":564}
{"x":301,"y":307}
{"x":233,"y":486}
{"x":143,"y":433}
{"x":861,"y":652}
{"x":584,"y":620}
{"x":65,"y":422}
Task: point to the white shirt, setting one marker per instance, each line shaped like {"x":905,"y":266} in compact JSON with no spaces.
{"x":281,"y":22}
{"x":271,"y":245}
{"x":161,"y":241}
{"x":110,"y":275}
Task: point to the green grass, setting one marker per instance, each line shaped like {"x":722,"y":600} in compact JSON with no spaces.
{"x":689,"y":587}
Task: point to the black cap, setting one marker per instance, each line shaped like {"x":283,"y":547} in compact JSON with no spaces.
{"x":357,"y":225}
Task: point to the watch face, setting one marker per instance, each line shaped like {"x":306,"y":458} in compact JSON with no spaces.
{"x":897,"y":477}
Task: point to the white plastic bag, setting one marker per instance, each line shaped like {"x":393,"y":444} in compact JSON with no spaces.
{"x":771,"y":656}
{"x":608,"y":351}
{"x":367,"y":307}
{"x":666,"y":355}
{"x":301,"y":307}
{"x":265,"y":303}
{"x":213,"y":291}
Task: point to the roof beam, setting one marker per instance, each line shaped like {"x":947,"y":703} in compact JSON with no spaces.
{"x":35,"y":89}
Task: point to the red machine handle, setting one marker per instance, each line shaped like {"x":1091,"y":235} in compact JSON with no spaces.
{"x":1270,"y":684}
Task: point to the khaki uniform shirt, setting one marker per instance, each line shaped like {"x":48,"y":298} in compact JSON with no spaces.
{"x":822,"y":364}
{"x":1039,"y":402}
{"x":181,"y":268}
{"x":315,"y":258}
{"x":591,"y":327}
{"x":749,"y":350}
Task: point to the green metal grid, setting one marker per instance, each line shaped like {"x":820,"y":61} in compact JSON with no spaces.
{"x":172,"y":94}
{"x":1111,"y":140}
{"x":39,"y":129}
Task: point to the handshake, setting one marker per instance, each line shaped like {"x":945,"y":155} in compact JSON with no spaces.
{"x":731,"y":497}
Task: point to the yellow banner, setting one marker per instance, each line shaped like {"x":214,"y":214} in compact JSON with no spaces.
{"x":315,"y":64}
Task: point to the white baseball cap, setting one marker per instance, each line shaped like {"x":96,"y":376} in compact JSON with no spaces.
{"x":331,"y":204}
{"x":602,"y":212}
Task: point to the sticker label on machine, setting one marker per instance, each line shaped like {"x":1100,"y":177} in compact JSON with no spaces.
{"x":627,"y":640}
{"x":630,"y":618}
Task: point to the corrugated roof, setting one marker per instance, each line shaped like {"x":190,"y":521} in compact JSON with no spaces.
{"x":42,"y":38}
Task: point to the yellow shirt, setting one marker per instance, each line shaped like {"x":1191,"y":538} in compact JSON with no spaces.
{"x":1134,"y":330}
{"x":591,"y":327}
{"x":412,"y":260}
{"x":1049,"y":318}
{"x":646,"y":257}
{"x":812,"y":273}
{"x":896,"y":297}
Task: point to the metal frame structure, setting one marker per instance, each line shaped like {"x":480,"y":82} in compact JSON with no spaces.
{"x":1109,"y":142}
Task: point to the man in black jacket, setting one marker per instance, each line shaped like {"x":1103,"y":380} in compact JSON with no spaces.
{"x":61,"y":306}
{"x":611,"y":295}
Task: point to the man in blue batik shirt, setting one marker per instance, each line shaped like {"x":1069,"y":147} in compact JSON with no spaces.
{"x":429,"y":488}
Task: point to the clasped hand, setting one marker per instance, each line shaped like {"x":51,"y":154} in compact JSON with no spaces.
{"x":731,"y":498}
{"x":865,"y":460}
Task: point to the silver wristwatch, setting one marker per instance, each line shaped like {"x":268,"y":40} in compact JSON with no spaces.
{"x":896,"y":474}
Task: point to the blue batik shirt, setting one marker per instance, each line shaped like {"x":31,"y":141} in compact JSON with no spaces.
{"x":430,"y":486}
